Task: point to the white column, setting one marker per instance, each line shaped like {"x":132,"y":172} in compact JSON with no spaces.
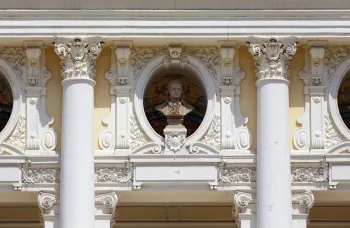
{"x":48,"y":210}
{"x":245,"y":210}
{"x":274,"y":199}
{"x":302,"y":203}
{"x":77,"y":193}
{"x":105,"y":210}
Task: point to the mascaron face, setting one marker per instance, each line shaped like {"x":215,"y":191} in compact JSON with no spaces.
{"x":175,"y":91}
{"x":272,"y":51}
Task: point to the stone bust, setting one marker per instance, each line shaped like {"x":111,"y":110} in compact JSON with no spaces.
{"x":175,"y":108}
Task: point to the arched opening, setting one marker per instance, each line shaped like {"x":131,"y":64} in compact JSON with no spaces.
{"x":6,"y":101}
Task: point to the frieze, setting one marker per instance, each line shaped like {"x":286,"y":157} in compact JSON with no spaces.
{"x":15,"y":57}
{"x":332,"y":136}
{"x":236,"y":175}
{"x":18,"y":137}
{"x":208,"y":55}
{"x":334,"y":56}
{"x":310,"y":174}
{"x":114,"y":174}
{"x":40,"y":175}
{"x":140,"y":56}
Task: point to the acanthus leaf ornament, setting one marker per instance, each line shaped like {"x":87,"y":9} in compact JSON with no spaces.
{"x":310,"y":174}
{"x":332,"y":136}
{"x":213,"y":135}
{"x":78,"y":58}
{"x":141,"y":56}
{"x":272,"y":58}
{"x":228,"y":175}
{"x":334,"y":56}
{"x":122,"y":175}
{"x":208,"y":55}
{"x":137,"y":136}
{"x":15,"y":57}
{"x":40,"y":175}
{"x":18,"y":136}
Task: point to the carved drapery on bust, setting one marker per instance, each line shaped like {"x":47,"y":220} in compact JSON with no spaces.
{"x":78,"y":58}
{"x":272,"y":57}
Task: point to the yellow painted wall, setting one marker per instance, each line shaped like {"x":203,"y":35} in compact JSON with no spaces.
{"x":296,"y":92}
{"x":102,"y":93}
{"x":54,"y":92}
{"x":248,"y":99}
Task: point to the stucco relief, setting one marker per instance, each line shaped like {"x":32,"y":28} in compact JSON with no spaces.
{"x":15,"y":57}
{"x":18,"y":136}
{"x":114,"y":175}
{"x":236,"y":174}
{"x":41,"y":175}
{"x":332,"y":136}
{"x":334,"y":56}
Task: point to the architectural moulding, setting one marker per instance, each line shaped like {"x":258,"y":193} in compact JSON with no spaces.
{"x":39,"y":135}
{"x":234,"y":134}
{"x":311,"y":136}
{"x":302,"y":203}
{"x":116,"y":136}
{"x":12,"y":137}
{"x":337,"y":62}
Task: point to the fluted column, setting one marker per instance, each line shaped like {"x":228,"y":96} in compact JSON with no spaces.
{"x":77,"y":194}
{"x":274,"y":199}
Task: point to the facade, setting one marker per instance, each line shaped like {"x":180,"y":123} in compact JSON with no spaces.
{"x":174,"y":114}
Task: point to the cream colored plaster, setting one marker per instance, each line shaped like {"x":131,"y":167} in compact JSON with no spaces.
{"x":296,"y":92}
{"x":248,"y":92}
{"x":54,"y":92}
{"x":102,"y":93}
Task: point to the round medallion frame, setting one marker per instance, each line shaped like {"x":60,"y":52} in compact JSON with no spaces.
{"x":197,"y":70}
{"x":11,"y":77}
{"x":337,"y":79}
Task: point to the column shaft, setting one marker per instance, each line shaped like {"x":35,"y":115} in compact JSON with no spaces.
{"x":77,"y":193}
{"x":274,"y":198}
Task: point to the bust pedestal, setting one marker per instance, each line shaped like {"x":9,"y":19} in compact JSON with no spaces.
{"x":175,"y":139}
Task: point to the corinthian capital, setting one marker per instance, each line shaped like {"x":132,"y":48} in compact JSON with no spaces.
{"x":78,"y":58}
{"x":272,"y":57}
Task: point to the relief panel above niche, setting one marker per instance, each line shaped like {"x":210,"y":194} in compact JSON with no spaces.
{"x":165,"y":100}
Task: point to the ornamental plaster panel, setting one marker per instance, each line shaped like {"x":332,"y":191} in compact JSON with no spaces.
{"x":197,"y":69}
{"x":39,"y":175}
{"x":120,"y":175}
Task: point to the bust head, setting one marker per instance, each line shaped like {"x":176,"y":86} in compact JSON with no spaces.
{"x":175,"y":89}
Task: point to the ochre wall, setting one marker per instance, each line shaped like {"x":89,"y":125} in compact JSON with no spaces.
{"x":248,"y":97}
{"x":54,"y":92}
{"x":102,"y":93}
{"x":296,"y":92}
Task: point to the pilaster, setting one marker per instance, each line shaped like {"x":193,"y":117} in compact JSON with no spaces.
{"x":302,"y":203}
{"x":311,"y":136}
{"x":105,"y":210}
{"x":39,"y":135}
{"x":49,"y":206}
{"x":244,"y":212}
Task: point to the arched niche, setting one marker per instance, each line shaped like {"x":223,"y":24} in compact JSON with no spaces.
{"x":339,"y":74}
{"x":192,"y":68}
